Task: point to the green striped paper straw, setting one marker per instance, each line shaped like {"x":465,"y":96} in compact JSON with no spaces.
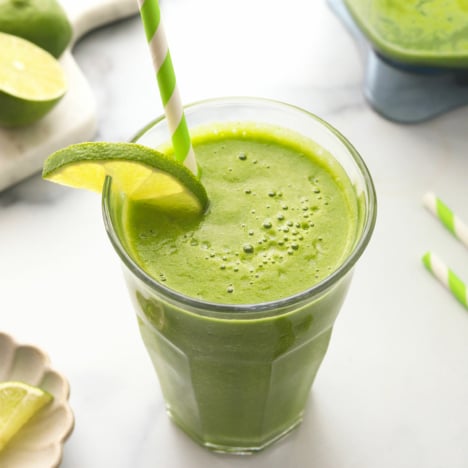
{"x":170,"y":97}
{"x":446,"y":276}
{"x":447,"y":217}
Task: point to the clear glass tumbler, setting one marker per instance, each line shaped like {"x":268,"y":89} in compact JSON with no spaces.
{"x":237,"y":377}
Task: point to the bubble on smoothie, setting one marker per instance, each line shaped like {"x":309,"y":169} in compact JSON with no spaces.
{"x":248,"y":248}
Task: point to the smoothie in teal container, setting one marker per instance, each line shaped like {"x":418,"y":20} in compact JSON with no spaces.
{"x":427,"y":33}
{"x":236,"y":308}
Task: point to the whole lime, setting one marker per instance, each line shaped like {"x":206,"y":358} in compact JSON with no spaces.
{"x":43,"y":22}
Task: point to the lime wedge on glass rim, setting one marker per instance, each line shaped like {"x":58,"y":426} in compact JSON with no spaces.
{"x":19,"y":402}
{"x":31,"y":81}
{"x":140,"y":172}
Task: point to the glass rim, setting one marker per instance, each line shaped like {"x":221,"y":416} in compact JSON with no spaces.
{"x":215,"y":308}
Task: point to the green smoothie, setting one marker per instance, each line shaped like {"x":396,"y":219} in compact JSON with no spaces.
{"x":236,"y":306}
{"x":428,"y":32}
{"x":282,"y":217}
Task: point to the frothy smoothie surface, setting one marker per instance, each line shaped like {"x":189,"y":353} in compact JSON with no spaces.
{"x":420,"y":31}
{"x":282,"y":216}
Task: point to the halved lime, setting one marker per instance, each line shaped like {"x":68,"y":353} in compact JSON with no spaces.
{"x":19,"y":402}
{"x":140,"y":172}
{"x":31,"y":81}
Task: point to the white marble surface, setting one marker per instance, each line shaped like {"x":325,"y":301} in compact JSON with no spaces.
{"x":392,"y":391}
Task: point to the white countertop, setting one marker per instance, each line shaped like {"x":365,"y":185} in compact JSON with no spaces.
{"x":393,"y":389}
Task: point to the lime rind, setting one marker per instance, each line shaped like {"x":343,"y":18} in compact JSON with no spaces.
{"x":141,"y":172}
{"x":15,"y":112}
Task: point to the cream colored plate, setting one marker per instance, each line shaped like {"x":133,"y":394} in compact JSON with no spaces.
{"x":39,"y":444}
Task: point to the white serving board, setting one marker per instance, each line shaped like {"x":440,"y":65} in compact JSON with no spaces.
{"x":23,"y":150}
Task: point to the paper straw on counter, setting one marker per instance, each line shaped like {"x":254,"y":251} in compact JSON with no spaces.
{"x":162,"y":62}
{"x":447,"y":217}
{"x":446,"y":276}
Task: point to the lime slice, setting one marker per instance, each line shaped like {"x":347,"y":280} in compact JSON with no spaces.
{"x":140,"y":172}
{"x":19,"y":402}
{"x":31,"y":81}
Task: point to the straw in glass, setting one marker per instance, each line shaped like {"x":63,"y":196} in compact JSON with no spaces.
{"x":447,"y":217}
{"x":170,"y":97}
{"x":446,"y":276}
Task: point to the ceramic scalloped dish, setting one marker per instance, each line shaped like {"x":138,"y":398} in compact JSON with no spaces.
{"x":39,"y":444}
{"x":430,"y":33}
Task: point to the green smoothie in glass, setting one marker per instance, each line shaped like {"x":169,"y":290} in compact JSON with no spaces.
{"x":236,"y":307}
{"x":281,"y":217}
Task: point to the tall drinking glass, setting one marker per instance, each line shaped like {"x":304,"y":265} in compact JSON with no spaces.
{"x":236,"y":377}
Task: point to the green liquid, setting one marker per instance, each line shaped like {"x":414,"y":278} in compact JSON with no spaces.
{"x":426,"y":32}
{"x":282,"y":217}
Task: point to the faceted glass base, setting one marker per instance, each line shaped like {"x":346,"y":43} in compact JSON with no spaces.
{"x":232,"y":449}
